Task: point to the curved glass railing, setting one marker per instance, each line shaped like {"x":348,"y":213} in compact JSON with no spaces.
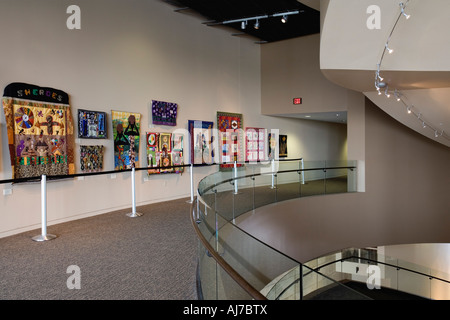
{"x":366,"y":271}
{"x":232,"y":263}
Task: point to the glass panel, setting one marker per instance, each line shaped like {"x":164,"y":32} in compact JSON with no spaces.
{"x":414,"y":283}
{"x":228,"y":289}
{"x":288,"y":186}
{"x":256,"y":262}
{"x":285,"y":287}
{"x":317,"y":286}
{"x":264,"y":192}
{"x":336,"y":181}
{"x":243,"y":200}
{"x":207,"y":273}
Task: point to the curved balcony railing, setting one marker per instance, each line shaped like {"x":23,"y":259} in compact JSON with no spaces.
{"x":233,"y":264}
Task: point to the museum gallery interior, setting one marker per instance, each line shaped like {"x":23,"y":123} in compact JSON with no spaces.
{"x":321,"y":129}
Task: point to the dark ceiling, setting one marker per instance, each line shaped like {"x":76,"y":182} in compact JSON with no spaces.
{"x":271,"y":29}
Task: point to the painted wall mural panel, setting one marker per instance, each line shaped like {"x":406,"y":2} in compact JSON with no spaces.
{"x":230,"y":126}
{"x":40,"y":130}
{"x":164,"y":150}
{"x":91,"y":124}
{"x":91,"y":158}
{"x":201,"y":134}
{"x":126,"y":129}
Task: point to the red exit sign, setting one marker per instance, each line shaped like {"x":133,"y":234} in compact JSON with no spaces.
{"x":297,"y":100}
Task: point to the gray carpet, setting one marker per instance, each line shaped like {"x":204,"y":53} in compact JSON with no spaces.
{"x":152,"y":257}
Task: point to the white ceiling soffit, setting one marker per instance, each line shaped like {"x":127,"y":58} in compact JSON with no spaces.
{"x":418,"y":69}
{"x":334,"y":117}
{"x":315,"y":4}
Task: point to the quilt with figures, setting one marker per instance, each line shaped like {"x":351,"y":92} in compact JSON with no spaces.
{"x":40,"y":130}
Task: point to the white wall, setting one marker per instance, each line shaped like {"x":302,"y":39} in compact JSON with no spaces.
{"x":126,"y":54}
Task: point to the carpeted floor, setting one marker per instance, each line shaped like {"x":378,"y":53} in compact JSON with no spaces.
{"x":152,"y":257}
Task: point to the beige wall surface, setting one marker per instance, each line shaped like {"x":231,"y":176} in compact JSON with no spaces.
{"x":406,"y":199}
{"x":291,"y":69}
{"x":126,"y":54}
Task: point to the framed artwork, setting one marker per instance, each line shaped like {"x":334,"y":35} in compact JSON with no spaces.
{"x":40,"y":130}
{"x":164,"y":150}
{"x":255,"y":144}
{"x":164,"y":113}
{"x":272,"y":144}
{"x":91,"y":158}
{"x":91,"y":124}
{"x":201,"y":136}
{"x":126,"y":133}
{"x":230,"y":127}
{"x":283,"y":146}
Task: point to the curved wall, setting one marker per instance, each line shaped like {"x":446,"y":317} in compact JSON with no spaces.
{"x":406,"y":199}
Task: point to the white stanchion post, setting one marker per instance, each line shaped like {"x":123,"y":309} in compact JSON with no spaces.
{"x":133,"y":213}
{"x":303,"y":172}
{"x":273,"y":174}
{"x":44,"y":236}
{"x":235,"y":178}
{"x":192,"y":183}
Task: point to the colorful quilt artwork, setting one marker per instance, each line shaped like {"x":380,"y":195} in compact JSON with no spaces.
{"x":126,"y":128}
{"x":255,"y":143}
{"x":40,"y":130}
{"x":91,"y":124}
{"x":272,"y":146}
{"x":230,"y":126}
{"x":201,"y":134}
{"x":164,"y":150}
{"x":91,"y":158}
{"x":164,"y":113}
{"x":283,"y":146}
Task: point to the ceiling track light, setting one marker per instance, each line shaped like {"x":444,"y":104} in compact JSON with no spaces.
{"x":256,"y":24}
{"x":389,"y":50}
{"x":284,"y":18}
{"x":408,"y":109}
{"x":243,"y":24}
{"x":402,"y":6}
{"x":397,"y":95}
{"x":386,"y":92}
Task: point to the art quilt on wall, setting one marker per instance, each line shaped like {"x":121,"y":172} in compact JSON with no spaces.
{"x":272,"y":145}
{"x":40,"y":130}
{"x":91,"y":158}
{"x":164,"y":150}
{"x":283,"y":146}
{"x":126,"y":128}
{"x":230,"y":126}
{"x":201,"y":134}
{"x":164,"y":113}
{"x":255,"y":144}
{"x":91,"y":124}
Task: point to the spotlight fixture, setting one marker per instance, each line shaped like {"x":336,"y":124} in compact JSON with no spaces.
{"x":397,"y":95}
{"x":388,"y":49}
{"x":243,"y":24}
{"x":402,"y":6}
{"x":386,"y":92}
{"x":256,"y":24}
{"x":408,"y":109}
{"x":284,"y":18}
{"x":423,"y":124}
{"x":436,"y":134}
